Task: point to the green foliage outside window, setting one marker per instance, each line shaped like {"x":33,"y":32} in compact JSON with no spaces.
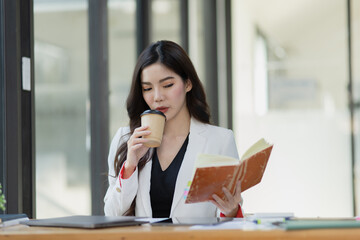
{"x":2,"y":199}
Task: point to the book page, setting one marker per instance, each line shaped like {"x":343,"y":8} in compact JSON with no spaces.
{"x":256,"y":147}
{"x":209,"y":160}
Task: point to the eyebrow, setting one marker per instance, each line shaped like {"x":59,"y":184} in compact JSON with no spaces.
{"x":161,"y":80}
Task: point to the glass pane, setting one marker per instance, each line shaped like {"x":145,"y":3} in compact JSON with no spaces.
{"x":61,"y":93}
{"x":165,"y":20}
{"x":196,"y":37}
{"x":122,"y":55}
{"x":355,"y":32}
{"x":290,"y":86}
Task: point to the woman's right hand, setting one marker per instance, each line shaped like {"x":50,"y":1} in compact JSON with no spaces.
{"x":136,"y":149}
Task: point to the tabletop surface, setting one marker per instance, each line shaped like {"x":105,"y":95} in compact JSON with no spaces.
{"x":170,"y":232}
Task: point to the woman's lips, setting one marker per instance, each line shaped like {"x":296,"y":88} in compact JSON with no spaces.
{"x":162,"y":109}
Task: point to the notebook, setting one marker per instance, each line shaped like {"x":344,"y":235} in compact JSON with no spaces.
{"x":186,"y":221}
{"x":81,"y":221}
{"x":12,"y":219}
{"x":319,"y":223}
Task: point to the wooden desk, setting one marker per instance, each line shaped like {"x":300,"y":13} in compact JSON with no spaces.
{"x":168,"y":232}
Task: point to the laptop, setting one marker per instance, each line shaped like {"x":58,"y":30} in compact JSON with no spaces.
{"x":82,"y":221}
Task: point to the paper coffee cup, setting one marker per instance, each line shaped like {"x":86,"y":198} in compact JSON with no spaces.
{"x":156,"y":122}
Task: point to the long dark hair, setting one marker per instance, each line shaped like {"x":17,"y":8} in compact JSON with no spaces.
{"x":174,"y":58}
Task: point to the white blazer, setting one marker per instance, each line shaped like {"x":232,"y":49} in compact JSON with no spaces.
{"x":203,"y":138}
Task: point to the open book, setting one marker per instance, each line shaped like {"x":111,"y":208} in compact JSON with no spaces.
{"x":212,"y":172}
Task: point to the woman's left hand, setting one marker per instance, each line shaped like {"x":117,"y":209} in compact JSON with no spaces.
{"x":229,"y":206}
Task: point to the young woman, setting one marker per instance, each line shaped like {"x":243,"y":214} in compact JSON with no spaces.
{"x":150,"y":182}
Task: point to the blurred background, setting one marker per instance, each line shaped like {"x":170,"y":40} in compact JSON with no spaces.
{"x":287,"y":79}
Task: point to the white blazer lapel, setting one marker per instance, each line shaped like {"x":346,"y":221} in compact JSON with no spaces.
{"x":144,"y":189}
{"x":195,"y":145}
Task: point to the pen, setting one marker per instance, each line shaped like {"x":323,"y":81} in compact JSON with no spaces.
{"x":269,"y":220}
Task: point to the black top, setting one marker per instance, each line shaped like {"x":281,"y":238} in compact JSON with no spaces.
{"x":162,"y":183}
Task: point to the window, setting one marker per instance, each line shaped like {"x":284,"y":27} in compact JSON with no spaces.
{"x":61,"y":112}
{"x":308,"y":117}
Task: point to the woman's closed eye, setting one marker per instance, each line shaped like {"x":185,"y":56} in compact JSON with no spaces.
{"x":146,"y":89}
{"x":168,"y":85}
